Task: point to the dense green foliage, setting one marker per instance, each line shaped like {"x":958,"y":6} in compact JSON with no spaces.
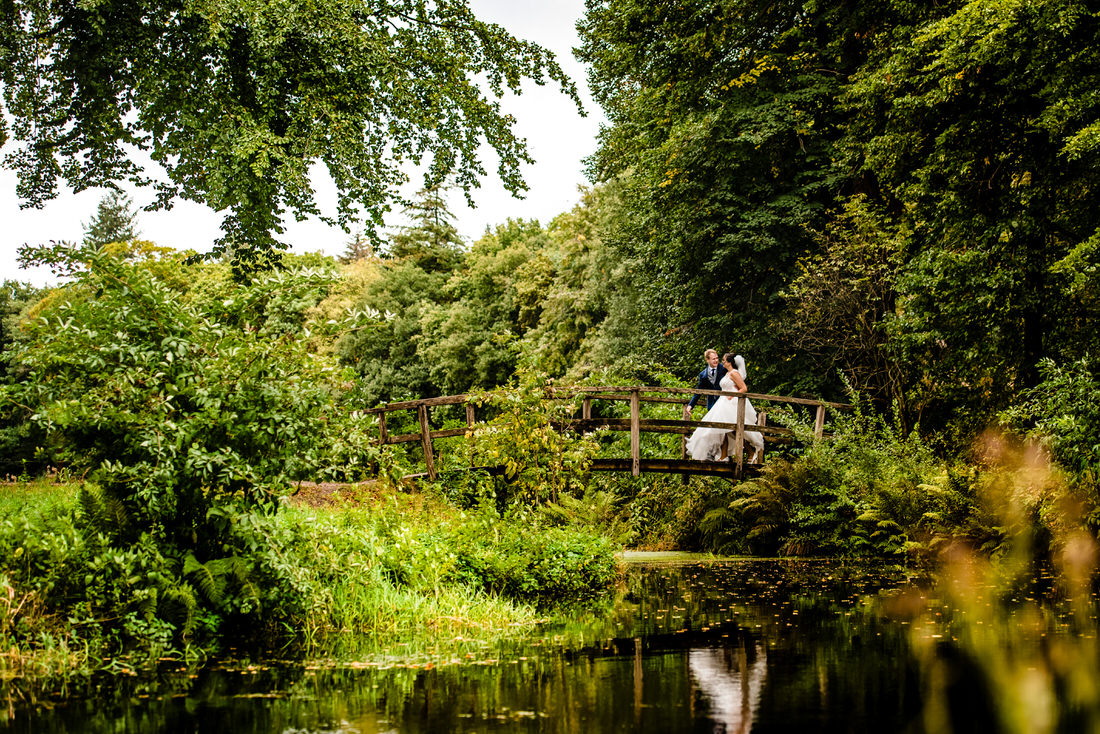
{"x":175,"y":411}
{"x":960,"y":133}
{"x":191,"y":404}
{"x":1062,"y":411}
{"x":551,"y":299}
{"x":412,"y":568}
{"x":237,"y":101}
{"x":892,"y":204}
{"x":18,"y":438}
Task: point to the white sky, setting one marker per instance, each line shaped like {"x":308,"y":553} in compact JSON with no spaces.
{"x":557,"y":136}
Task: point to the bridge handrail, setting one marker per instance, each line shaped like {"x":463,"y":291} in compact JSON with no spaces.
{"x":635,"y":425}
{"x":597,"y":393}
{"x":692,"y":391}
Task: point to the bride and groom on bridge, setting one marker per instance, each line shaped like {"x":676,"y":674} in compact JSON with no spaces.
{"x":727,"y":374}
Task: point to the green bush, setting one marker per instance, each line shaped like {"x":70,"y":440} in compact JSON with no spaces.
{"x":1063,"y":411}
{"x":870,"y":489}
{"x":400,"y":567}
{"x":190,"y":415}
{"x":536,"y":564}
{"x":523,"y":434}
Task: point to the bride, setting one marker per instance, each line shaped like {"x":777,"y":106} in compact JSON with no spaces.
{"x":710,"y":443}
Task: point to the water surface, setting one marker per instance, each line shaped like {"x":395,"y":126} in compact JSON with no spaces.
{"x":718,"y":646}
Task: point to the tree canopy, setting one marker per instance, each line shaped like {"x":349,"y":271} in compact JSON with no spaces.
{"x":916,"y":183}
{"x":237,"y":100}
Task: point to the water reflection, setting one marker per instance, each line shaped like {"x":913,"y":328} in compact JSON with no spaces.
{"x":719,"y":647}
{"x":731,"y":684}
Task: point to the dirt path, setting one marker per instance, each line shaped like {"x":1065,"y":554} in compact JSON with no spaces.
{"x":335,"y":494}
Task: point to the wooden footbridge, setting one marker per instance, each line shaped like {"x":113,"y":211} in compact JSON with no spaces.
{"x":583,"y":421}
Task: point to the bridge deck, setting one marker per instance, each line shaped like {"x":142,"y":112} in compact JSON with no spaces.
{"x":677,"y":466}
{"x":660,"y":466}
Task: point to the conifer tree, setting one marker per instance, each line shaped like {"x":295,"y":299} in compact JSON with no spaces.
{"x":358,"y":247}
{"x":431,"y":240}
{"x":115,"y":221}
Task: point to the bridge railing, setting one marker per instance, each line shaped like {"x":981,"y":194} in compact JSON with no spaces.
{"x":635,"y":396}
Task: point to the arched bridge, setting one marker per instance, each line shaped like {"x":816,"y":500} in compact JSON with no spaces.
{"x":642,"y":401}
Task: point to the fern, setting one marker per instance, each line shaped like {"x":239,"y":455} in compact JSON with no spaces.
{"x":102,"y":514}
{"x":243,"y":584}
{"x":223,"y":580}
{"x":209,"y":579}
{"x":177,"y":606}
{"x":146,"y":602}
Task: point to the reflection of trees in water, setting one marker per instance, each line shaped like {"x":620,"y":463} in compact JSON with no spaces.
{"x":697,"y":648}
{"x":731,"y":680}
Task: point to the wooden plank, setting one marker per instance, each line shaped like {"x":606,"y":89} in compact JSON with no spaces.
{"x":471,"y":420}
{"x":624,"y":394}
{"x":414,"y":404}
{"x":643,"y":398}
{"x":819,"y":421}
{"x":739,"y":437}
{"x":671,"y":466}
{"x":684,"y":454}
{"x":412,"y":437}
{"x":663,"y":466}
{"x":656,"y":425}
{"x":567,"y":391}
{"x":426,"y":439}
{"x":635,"y":435}
{"x":448,"y":433}
{"x":762,"y":421}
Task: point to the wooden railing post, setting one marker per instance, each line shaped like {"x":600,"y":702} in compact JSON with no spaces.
{"x":683,"y":456}
{"x":819,"y":421}
{"x":586,"y":409}
{"x":635,"y":434}
{"x":383,"y":434}
{"x":739,"y":437}
{"x":426,"y":439}
{"x":761,"y":421}
{"x":471,"y":418}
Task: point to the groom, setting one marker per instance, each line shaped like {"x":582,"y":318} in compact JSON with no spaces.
{"x":708,"y":380}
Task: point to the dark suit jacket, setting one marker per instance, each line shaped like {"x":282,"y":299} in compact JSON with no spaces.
{"x":705,"y":384}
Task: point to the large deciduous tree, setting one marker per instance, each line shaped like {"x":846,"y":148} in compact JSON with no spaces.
{"x":726,"y":114}
{"x":981,"y":130}
{"x":237,"y":99}
{"x":969,"y":129}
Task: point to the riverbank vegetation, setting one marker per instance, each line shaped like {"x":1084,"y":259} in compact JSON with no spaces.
{"x":378,"y":569}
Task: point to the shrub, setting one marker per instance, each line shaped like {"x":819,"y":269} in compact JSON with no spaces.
{"x":190,"y":421}
{"x":1063,"y":412}
{"x":537,"y":564}
{"x":867,"y":490}
{"x":541,"y":462}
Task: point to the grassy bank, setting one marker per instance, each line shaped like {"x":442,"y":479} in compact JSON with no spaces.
{"x":377,"y":567}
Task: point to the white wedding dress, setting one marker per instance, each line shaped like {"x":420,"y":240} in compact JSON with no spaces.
{"x":705,"y":444}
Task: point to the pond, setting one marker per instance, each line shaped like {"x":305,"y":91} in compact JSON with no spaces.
{"x":701,"y":646}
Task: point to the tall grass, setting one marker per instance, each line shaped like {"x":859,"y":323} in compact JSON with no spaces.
{"x":378,"y":575}
{"x":396,"y":570}
{"x":1012,"y":639}
{"x":37,"y":498}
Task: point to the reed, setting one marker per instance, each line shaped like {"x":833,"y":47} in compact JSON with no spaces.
{"x":383,"y":575}
{"x":1010,"y":642}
